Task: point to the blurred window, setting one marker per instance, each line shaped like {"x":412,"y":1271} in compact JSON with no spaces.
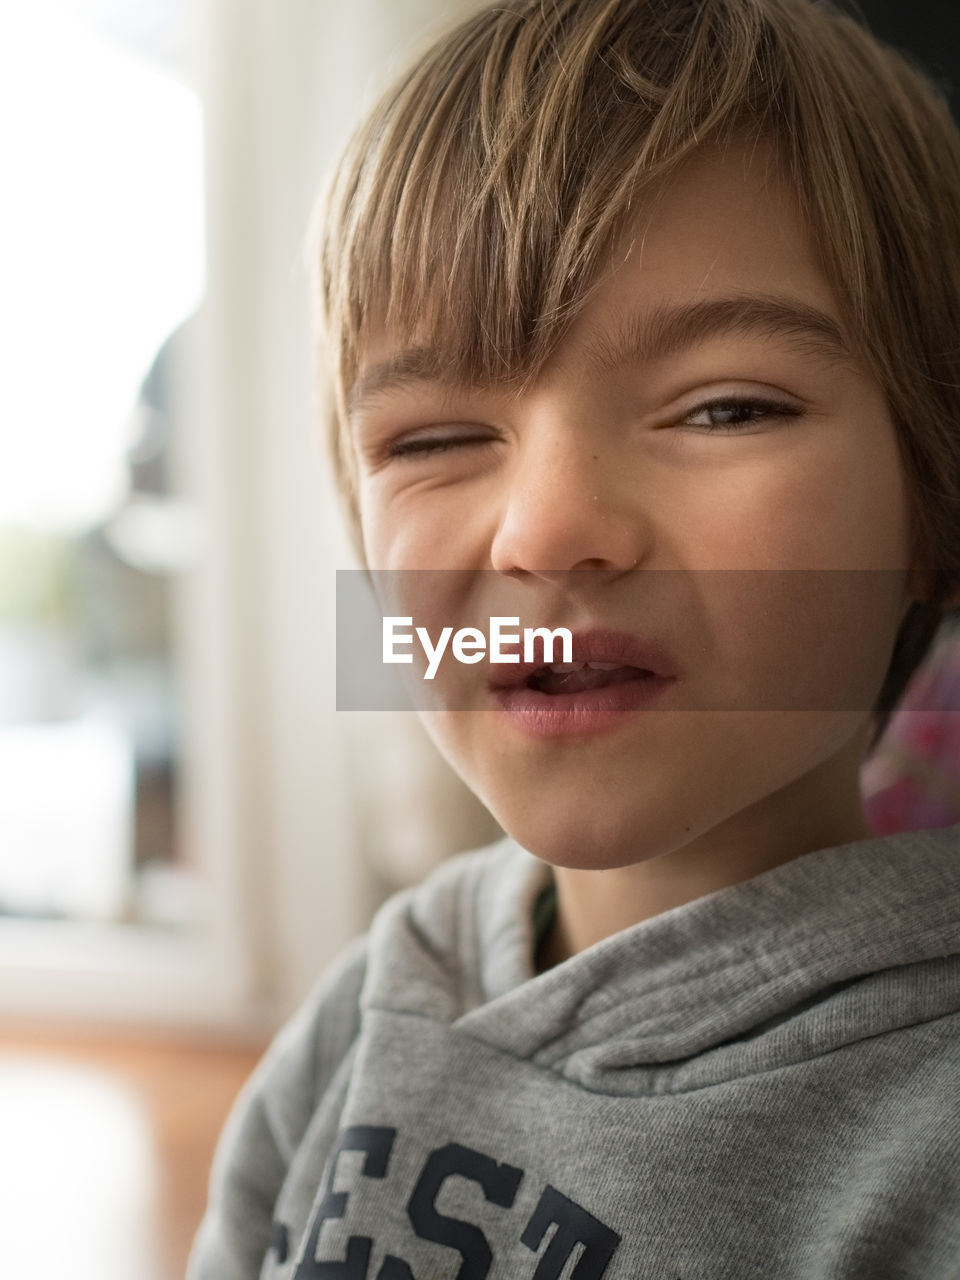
{"x":102,"y":262}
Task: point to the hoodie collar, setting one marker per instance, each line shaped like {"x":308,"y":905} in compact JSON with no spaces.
{"x":833,"y":947}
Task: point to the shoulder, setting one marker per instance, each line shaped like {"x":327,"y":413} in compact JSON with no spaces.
{"x":438,"y":917}
{"x":428,"y":940}
{"x":418,"y":949}
{"x":306,"y":1052}
{"x":268,"y":1121}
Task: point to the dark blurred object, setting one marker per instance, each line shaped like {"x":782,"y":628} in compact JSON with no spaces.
{"x":928,"y":29}
{"x":125,"y":586}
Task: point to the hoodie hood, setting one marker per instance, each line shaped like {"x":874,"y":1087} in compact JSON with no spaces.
{"x":762,"y":1082}
{"x":822,"y":952}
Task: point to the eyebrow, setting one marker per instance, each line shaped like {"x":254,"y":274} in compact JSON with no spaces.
{"x":644,"y":337}
{"x":410,"y":367}
{"x":660,"y":331}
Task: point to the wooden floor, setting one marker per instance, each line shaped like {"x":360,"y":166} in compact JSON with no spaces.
{"x":105,"y":1148}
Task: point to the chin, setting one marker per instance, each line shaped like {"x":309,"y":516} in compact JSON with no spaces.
{"x":583,"y":841}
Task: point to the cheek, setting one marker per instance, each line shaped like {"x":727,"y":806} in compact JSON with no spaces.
{"x":803,"y":580}
{"x":391,"y":538}
{"x":838,"y":505}
{"x":802,"y":640}
{"x":859,"y":500}
{"x":418,"y":530}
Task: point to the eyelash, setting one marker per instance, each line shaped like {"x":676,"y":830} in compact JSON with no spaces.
{"x":757,"y":409}
{"x":433,"y":444}
{"x":754,"y":409}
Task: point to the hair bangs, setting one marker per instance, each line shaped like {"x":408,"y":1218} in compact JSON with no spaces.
{"x":478,"y":208}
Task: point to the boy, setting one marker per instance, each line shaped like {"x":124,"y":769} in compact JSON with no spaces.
{"x":613,"y":287}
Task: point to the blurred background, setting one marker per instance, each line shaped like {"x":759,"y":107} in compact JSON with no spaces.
{"x":184,"y":839}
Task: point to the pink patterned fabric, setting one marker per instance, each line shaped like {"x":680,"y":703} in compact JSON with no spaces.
{"x":912,"y":781}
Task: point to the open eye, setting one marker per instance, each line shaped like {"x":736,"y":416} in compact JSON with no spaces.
{"x":730,"y":414}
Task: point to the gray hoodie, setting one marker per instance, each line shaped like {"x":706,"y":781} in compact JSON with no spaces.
{"x":763,"y":1083}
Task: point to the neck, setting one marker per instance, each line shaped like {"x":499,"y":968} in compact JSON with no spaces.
{"x":595,"y":904}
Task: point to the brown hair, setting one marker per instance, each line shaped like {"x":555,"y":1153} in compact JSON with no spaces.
{"x":481,"y":197}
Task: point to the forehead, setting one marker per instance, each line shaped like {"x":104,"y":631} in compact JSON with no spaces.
{"x":725,"y":219}
{"x":720,"y":248}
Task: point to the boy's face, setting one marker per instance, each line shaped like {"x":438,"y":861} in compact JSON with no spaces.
{"x":556,"y":504}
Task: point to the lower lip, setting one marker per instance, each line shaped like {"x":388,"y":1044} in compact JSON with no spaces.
{"x":566,"y":715}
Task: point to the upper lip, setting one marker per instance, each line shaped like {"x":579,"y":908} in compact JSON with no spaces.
{"x":595,"y":645}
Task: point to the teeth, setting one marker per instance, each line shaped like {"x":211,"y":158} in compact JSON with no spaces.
{"x":564,"y":668}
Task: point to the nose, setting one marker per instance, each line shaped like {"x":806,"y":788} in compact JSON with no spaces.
{"x":568,"y":505}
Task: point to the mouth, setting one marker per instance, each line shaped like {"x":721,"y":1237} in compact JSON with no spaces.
{"x":601,"y":660}
{"x":612,"y":679}
{"x":578,"y":677}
